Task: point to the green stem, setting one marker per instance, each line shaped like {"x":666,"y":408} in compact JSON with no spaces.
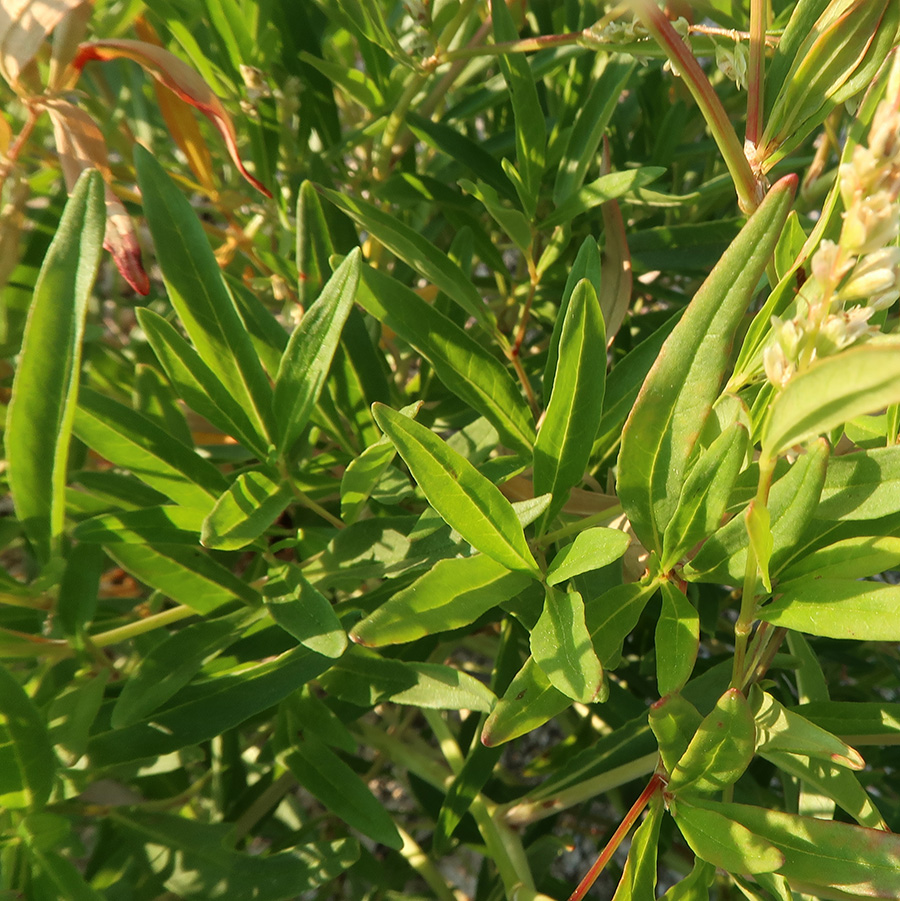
{"x":385,"y":150}
{"x":148,"y":624}
{"x":262,"y":805}
{"x":424,"y":866}
{"x":751,"y":572}
{"x":524,"y":45}
{"x":525,"y":812}
{"x":504,"y":847}
{"x":750,"y":192}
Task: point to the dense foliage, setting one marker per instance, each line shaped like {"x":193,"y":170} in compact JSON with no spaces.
{"x":481,"y":446}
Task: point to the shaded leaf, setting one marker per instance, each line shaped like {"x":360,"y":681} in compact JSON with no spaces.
{"x":244,"y":512}
{"x":677,"y":639}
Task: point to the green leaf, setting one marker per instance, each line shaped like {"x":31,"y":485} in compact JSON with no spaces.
{"x":638,"y":881}
{"x":196,"y":860}
{"x":130,"y":440}
{"x":416,"y":251}
{"x":199,"y":293}
{"x":860,"y":862}
{"x":831,"y":781}
{"x":72,"y":713}
{"x":151,"y":525}
{"x":156,"y":399}
{"x":677,"y":639}
{"x":197,"y":385}
{"x":252,"y":503}
{"x":674,"y":721}
{"x":723,"y":841}
{"x":76,"y":602}
{"x":529,"y":701}
{"x":613,"y":615}
{"x":454,"y":593}
{"x":679,"y":392}
{"x":322,"y":773}
{"x":587,"y":265}
{"x":170,"y":665}
{"x":307,"y":358}
{"x":304,"y":612}
{"x":833,"y":390}
{"x":853,"y":558}
{"x":463,"y":497}
{"x":60,"y":876}
{"x":561,"y":647}
{"x":185,"y":574}
{"x":862,"y":485}
{"x":364,"y":678}
{"x":29,"y":761}
{"x":314,"y":246}
{"x":855,"y":720}
{"x":837,"y":608}
{"x":462,"y":364}
{"x":531,"y":129}
{"x":590,"y":550}
{"x":792,"y":501}
{"x":721,"y":749}
{"x":207,"y":708}
{"x":512,"y":221}
{"x":780,"y":729}
{"x":593,"y":117}
{"x":570,"y":425}
{"x":39,"y":421}
{"x":705,"y":494}
{"x":694,"y":886}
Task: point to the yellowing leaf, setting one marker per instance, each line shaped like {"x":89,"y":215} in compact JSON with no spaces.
{"x":23,"y":26}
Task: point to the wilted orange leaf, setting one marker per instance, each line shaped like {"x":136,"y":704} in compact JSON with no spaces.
{"x":180,"y":78}
{"x":80,"y":146}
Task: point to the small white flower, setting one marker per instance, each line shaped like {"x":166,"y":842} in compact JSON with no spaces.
{"x":875,"y":274}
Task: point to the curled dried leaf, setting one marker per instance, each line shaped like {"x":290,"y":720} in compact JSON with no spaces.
{"x":181,"y":79}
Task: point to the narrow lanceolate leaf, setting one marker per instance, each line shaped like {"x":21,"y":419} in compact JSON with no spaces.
{"x":39,"y":423}
{"x":682,"y":385}
{"x":838,"y":608}
{"x":705,"y":494}
{"x":531,"y":129}
{"x":862,"y":863}
{"x":170,"y":665}
{"x":166,"y":524}
{"x":29,"y":761}
{"x":245,"y":511}
{"x":308,"y":356}
{"x":184,"y":574}
{"x":590,"y":123}
{"x":721,"y":749}
{"x":322,"y":773}
{"x":780,"y":729}
{"x":128,"y":439}
{"x":638,"y":881}
{"x":303,"y":611}
{"x":416,"y":251}
{"x":561,"y":647}
{"x":677,"y":639}
{"x":564,"y":442}
{"x":590,"y":550}
{"x":459,"y":361}
{"x":834,"y":782}
{"x":463,"y":497}
{"x":197,"y":385}
{"x":724,"y":842}
{"x":451,"y":595}
{"x":833,"y":390}
{"x":200,"y":295}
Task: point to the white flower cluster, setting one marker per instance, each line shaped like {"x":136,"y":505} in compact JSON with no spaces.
{"x":862,"y":268}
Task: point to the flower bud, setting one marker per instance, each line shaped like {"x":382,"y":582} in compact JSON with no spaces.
{"x":875,"y":274}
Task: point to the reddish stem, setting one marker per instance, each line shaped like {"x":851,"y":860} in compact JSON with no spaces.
{"x":653,"y":786}
{"x":757,"y":80}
